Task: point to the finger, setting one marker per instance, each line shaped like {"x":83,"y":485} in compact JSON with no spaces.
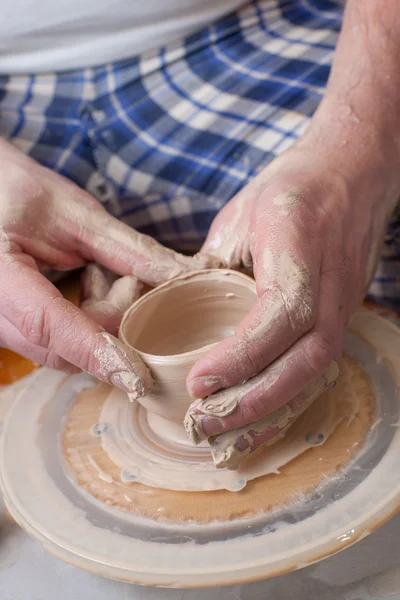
{"x":230,"y":449}
{"x":103,"y":239}
{"x":109,"y":310}
{"x":124,"y":292}
{"x":281,"y":381}
{"x":284,"y":311}
{"x":226,"y":237}
{"x":40,"y":313}
{"x":96,"y":282}
{"x":12,"y":339}
{"x":268,"y":391}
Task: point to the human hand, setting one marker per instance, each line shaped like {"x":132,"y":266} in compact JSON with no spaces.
{"x":48,"y":222}
{"x":311,"y":226}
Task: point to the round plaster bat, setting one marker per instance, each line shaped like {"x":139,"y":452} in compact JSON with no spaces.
{"x":63,"y":487}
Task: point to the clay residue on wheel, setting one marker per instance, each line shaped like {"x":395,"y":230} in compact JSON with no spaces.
{"x":299,"y":476}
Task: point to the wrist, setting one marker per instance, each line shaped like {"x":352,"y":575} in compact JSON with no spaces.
{"x":365,"y":154}
{"x":358,"y":121}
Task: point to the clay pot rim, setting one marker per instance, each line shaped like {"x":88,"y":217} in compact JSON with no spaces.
{"x":177,"y":358}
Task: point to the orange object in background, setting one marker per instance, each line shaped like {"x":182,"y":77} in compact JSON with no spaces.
{"x":12,"y":365}
{"x":382,"y":311}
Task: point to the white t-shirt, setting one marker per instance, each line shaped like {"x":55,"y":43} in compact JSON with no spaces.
{"x":56,"y":35}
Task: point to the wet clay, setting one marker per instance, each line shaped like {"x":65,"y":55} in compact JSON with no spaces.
{"x":171,"y":328}
{"x":137,"y":442}
{"x":312,"y":452}
{"x":176,"y":324}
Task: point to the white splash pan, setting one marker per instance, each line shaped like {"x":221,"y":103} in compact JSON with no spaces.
{"x":76,"y":527}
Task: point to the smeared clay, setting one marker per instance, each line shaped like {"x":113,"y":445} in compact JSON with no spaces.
{"x":268,"y":263}
{"x":259,"y":388}
{"x":225,"y":402}
{"x":158,"y":455}
{"x":288,"y":198}
{"x":285,"y":201}
{"x":111,"y":422}
{"x":226,"y":448}
{"x":294,"y":286}
{"x":288,"y":294}
{"x":124,"y":367}
{"x":223,"y":405}
{"x":176,"y":324}
{"x":210,"y":380}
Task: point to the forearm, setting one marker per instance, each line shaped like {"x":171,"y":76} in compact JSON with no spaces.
{"x":365,"y":74}
{"x":361,"y":107}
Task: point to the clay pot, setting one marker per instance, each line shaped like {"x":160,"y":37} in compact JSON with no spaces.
{"x":177,"y":323}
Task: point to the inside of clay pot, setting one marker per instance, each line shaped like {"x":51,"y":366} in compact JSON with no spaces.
{"x":189,"y":314}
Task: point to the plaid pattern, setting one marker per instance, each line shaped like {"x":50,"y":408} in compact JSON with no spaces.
{"x":166,"y":139}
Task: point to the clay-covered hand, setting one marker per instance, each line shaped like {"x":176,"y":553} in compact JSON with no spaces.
{"x":311,"y":226}
{"x":48,"y":222}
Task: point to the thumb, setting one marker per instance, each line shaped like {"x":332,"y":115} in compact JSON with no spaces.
{"x":40,"y":313}
{"x":105,"y":298}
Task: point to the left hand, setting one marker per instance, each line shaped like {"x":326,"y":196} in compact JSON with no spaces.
{"x":46,"y":221}
{"x":311,"y":226}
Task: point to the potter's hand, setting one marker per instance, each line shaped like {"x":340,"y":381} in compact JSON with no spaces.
{"x":311,"y":226}
{"x":46,"y":221}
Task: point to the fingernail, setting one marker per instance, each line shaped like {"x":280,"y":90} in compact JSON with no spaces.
{"x":332,"y":372}
{"x":200,"y":427}
{"x":227,"y":455}
{"x":210,"y":426}
{"x":192,"y":425}
{"x":230,"y":454}
{"x":205,"y":385}
{"x":129,"y":383}
{"x":116,"y":380}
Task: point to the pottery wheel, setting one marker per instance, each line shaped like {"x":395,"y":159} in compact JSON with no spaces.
{"x":112,"y":467}
{"x":63,"y":483}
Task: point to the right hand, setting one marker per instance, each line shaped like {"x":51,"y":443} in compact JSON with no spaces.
{"x":46,"y":221}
